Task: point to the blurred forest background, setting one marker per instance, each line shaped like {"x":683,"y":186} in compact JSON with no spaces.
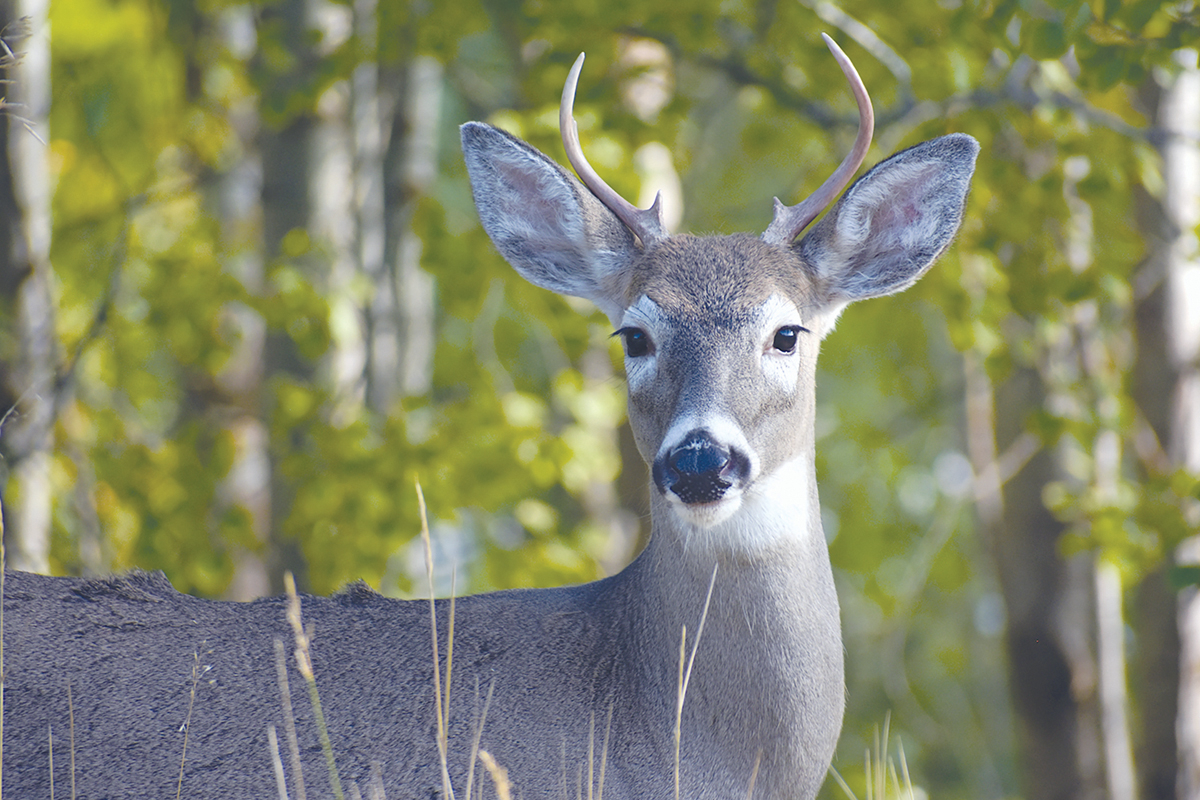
{"x":245,"y":302}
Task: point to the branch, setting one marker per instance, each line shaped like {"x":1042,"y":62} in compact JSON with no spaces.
{"x":867,"y":39}
{"x":736,"y":69}
{"x":1014,"y":89}
{"x":65,"y":381}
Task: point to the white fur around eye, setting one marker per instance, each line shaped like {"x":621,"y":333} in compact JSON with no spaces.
{"x":644,"y":314}
{"x":781,"y":369}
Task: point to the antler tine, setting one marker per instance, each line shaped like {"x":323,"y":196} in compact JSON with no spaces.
{"x":647,"y":224}
{"x":790,"y":220}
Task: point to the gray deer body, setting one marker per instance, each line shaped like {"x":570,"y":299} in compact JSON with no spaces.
{"x":721,"y":336}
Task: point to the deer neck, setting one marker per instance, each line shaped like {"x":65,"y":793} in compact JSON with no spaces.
{"x":770,"y":558}
{"x":769,"y":662}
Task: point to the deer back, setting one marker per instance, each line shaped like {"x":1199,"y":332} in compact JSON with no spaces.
{"x":139,"y":685}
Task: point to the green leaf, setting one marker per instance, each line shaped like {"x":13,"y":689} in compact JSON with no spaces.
{"x":1183,"y":576}
{"x":1045,"y":39}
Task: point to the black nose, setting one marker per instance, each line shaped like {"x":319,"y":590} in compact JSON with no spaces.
{"x":699,"y":470}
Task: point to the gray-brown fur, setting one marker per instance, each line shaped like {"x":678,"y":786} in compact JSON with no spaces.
{"x":710,"y":277}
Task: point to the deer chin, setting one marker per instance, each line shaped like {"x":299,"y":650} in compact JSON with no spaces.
{"x":706,"y":515}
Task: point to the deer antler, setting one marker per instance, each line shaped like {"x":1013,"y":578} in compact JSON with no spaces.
{"x":647,"y":224}
{"x":790,"y":220}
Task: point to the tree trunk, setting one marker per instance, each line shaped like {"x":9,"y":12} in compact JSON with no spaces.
{"x":1069,"y":712}
{"x":1041,"y":590}
{"x":1095,"y":371}
{"x":340,"y":191}
{"x":237,"y":202}
{"x":1179,"y":117}
{"x":29,"y":387}
{"x":400,"y":316}
{"x":286,"y":149}
{"x":1156,"y":679}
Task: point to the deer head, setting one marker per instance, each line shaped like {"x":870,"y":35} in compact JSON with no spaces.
{"x":721,"y":332}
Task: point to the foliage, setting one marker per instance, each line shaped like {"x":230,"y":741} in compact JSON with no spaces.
{"x":514,"y":429}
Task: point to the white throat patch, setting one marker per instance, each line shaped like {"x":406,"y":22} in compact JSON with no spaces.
{"x":775,"y":508}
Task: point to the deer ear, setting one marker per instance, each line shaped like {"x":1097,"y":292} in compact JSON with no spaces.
{"x":550,"y":228}
{"x":893,"y":223}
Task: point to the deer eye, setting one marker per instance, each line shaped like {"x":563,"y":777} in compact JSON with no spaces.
{"x":637,"y":342}
{"x":786,"y":338}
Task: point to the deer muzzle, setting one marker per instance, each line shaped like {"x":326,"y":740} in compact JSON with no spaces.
{"x":699,"y":470}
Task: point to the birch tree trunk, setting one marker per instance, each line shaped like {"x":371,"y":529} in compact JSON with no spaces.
{"x":1179,"y":117}
{"x":1064,"y":635}
{"x":1022,"y":538}
{"x":238,"y":194}
{"x":30,"y":390}
{"x":400,"y":315}
{"x":1098,"y":354}
{"x":342,"y":170}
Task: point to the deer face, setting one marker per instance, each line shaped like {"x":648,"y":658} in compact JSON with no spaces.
{"x":719,"y":359}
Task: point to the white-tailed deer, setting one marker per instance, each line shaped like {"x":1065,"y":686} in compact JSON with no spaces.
{"x":721,"y":335}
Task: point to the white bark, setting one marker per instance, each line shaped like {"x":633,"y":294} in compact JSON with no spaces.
{"x":402,"y":301}
{"x":1099,"y":379}
{"x":1110,"y":652}
{"x":238,"y":202}
{"x":367,"y":116}
{"x":334,"y":228}
{"x":1179,"y":117}
{"x":31,"y":432}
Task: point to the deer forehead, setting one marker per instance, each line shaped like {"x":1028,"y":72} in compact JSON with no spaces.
{"x":718,"y":278}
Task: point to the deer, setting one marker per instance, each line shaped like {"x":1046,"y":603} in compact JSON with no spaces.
{"x":577,"y":690}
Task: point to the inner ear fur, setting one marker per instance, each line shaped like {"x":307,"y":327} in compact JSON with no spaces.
{"x":893,"y":223}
